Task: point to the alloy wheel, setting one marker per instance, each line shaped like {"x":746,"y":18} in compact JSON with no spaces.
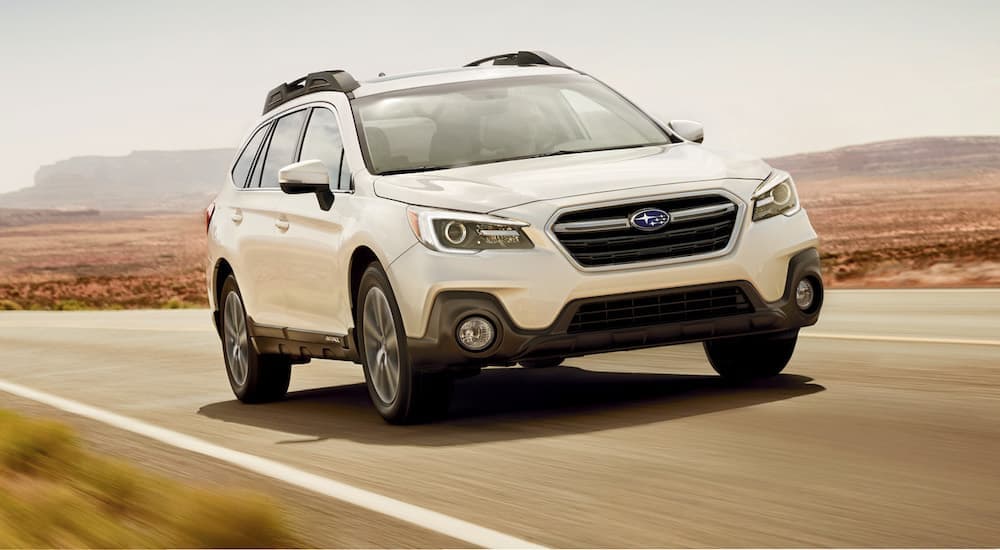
{"x":381,"y":345}
{"x":237,"y":343}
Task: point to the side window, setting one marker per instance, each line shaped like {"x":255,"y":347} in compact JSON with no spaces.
{"x":258,"y":166}
{"x":243,"y":164}
{"x":281,"y":149}
{"x":323,"y":142}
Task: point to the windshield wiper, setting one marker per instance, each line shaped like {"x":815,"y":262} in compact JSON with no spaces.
{"x":553,"y":153}
{"x":412,"y":170}
{"x":571,"y":151}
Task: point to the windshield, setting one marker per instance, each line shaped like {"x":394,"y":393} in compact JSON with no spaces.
{"x":467,"y":123}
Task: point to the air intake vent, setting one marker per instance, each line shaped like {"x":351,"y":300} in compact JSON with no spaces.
{"x":669,"y":306}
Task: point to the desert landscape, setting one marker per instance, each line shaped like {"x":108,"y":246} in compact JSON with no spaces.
{"x":102,"y":260}
{"x":905,"y":213}
{"x":913,"y":213}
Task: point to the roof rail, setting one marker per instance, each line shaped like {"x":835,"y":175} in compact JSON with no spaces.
{"x":521,"y":58}
{"x":323,"y":81}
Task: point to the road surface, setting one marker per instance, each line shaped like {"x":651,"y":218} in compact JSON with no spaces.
{"x":883,"y":431}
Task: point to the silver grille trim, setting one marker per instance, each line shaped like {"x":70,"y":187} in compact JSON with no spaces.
{"x":685,"y":215}
{"x":615,"y":226}
{"x":702,"y":212}
{"x":591,"y":225}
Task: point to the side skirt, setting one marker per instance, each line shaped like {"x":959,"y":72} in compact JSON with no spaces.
{"x":302,"y":345}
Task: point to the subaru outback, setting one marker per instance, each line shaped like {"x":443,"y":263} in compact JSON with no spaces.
{"x":511,"y":211}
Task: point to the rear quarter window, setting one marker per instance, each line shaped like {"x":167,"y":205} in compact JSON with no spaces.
{"x":244,"y":163}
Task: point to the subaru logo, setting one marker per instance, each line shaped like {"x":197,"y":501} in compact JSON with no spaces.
{"x":649,"y":219}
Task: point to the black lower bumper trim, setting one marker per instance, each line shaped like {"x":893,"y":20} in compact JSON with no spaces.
{"x":564,"y":338}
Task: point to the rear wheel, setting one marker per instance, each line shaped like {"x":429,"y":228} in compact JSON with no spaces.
{"x":748,"y":358}
{"x":400,"y":394}
{"x":255,"y":378}
{"x":542,"y":363}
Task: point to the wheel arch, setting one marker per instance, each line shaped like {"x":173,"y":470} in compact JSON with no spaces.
{"x":222,"y":270}
{"x":361,"y":258}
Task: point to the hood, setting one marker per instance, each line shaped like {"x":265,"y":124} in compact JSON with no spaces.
{"x":499,"y":185}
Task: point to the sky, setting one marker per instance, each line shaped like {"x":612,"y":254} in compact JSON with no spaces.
{"x":768,"y":77}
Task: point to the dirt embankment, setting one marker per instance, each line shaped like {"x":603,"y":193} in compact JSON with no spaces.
{"x":116,"y":260}
{"x":907,"y":232}
{"x":876,"y":231}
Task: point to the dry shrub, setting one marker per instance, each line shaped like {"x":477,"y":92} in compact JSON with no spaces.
{"x":35,"y":446}
{"x":54,"y":494}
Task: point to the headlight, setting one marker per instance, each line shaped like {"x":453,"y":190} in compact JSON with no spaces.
{"x":466,"y":233}
{"x":776,"y":195}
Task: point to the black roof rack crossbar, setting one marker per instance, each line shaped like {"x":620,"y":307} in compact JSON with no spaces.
{"x":521,"y":58}
{"x":323,"y":81}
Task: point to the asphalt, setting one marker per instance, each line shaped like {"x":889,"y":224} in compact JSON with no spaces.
{"x":883,"y":431}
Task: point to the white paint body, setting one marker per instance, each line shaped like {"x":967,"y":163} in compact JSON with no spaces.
{"x":297,"y":275}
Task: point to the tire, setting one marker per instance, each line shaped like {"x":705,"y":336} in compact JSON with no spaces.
{"x":400,"y":394}
{"x":748,"y":358}
{"x":255,"y":378}
{"x":542,"y":363}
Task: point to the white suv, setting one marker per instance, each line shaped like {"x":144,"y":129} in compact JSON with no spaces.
{"x":514,"y":210}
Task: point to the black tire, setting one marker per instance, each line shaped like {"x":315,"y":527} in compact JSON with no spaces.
{"x":419,"y":397}
{"x":542,"y":363}
{"x":747,"y":358}
{"x":267,"y":376}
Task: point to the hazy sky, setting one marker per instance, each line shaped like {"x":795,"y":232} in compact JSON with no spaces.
{"x":768,"y":77}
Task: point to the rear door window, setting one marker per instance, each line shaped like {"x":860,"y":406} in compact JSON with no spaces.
{"x":323,"y":142}
{"x":281,"y":149}
{"x":243,"y":164}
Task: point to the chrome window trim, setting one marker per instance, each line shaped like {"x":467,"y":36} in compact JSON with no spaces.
{"x":288,"y":111}
{"x":741,"y":210}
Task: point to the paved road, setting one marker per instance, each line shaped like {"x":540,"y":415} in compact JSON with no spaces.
{"x":884,"y":431}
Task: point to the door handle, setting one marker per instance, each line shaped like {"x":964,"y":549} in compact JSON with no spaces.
{"x":282,"y":225}
{"x":237,"y":216}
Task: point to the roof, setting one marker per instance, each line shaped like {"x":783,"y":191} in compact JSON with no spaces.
{"x":505,"y":65}
{"x":451,"y":75}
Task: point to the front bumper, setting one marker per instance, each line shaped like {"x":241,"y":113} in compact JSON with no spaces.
{"x":535,"y":285}
{"x":438,"y":348}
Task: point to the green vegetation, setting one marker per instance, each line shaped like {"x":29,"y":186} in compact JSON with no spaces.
{"x":9,"y":305}
{"x":71,"y":305}
{"x":54,"y":493}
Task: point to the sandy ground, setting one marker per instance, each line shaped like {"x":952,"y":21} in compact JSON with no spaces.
{"x":886,"y":233}
{"x":909,"y":232}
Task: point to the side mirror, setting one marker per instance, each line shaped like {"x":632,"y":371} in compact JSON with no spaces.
{"x":307,"y":176}
{"x":688,"y":129}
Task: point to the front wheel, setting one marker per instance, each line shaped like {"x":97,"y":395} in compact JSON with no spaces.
{"x":746,"y":358}
{"x":254,"y":377}
{"x":400,"y":394}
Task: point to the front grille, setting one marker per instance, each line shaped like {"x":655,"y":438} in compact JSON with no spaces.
{"x":669,"y":306}
{"x":619,"y":243}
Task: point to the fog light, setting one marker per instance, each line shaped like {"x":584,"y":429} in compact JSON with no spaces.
{"x":805,"y":294}
{"x":476,"y":333}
